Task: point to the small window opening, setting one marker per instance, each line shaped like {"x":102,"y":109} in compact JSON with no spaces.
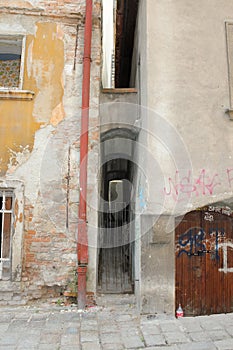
{"x":11,"y":61}
{"x":119,"y":22}
{"x":6,"y":216}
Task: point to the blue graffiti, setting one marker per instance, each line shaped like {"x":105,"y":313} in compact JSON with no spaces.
{"x":193,"y":243}
{"x":142,"y":202}
{"x":218,"y":233}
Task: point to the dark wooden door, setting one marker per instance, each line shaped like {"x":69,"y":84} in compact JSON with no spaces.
{"x":115,"y":262}
{"x":116,"y":254}
{"x":204,"y":261}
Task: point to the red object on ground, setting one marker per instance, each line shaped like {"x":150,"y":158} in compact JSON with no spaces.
{"x":179,"y":312}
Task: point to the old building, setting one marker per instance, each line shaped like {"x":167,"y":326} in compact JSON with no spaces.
{"x":172,"y":126}
{"x":41,"y":60}
{"x":149,"y":197}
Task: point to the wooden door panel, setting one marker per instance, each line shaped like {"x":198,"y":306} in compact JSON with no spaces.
{"x":219,"y":279}
{"x":204,"y":262}
{"x":189,"y":263}
{"x":115,"y":259}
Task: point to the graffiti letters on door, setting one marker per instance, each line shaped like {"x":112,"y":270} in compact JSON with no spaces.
{"x":224,"y":247}
{"x":204,"y":261}
{"x":196,"y":242}
{"x":192,"y":242}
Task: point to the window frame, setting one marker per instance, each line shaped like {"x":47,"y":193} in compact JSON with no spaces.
{"x":17,"y":188}
{"x":22,"y":60}
{"x":4,"y":194}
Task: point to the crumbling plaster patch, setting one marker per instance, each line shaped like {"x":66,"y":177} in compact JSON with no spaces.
{"x":18,"y":158}
{"x":34,"y":164}
{"x":49,"y":247}
{"x":46,"y":70}
{"x":44,"y":67}
{"x":16,"y":24}
{"x":20,"y":3}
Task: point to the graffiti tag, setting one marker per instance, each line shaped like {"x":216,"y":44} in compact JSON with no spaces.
{"x":224,"y":247}
{"x":208,"y":217}
{"x":196,"y":243}
{"x":192,"y":242}
{"x":185,"y":186}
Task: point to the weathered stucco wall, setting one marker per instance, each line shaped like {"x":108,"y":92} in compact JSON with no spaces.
{"x":186,"y":133}
{"x":40,"y":139}
{"x":43,"y":74}
{"x":57,"y":8}
{"x":188,"y":88}
{"x":157,"y":266}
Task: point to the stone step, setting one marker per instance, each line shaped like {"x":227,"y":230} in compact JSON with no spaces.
{"x":10,"y":293}
{"x":116,"y":299}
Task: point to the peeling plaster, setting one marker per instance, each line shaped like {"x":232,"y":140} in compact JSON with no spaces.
{"x":57,"y":114}
{"x":44,"y":67}
{"x":20,"y":3}
{"x":18,"y":158}
{"x":46,"y":70}
{"x":18,"y":216}
{"x":34,"y":164}
{"x":6,"y":29}
{"x":29,"y":157}
{"x":29,"y":60}
{"x":17,"y":130}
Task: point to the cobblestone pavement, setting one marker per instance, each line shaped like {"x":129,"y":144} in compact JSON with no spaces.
{"x":108,"y":327}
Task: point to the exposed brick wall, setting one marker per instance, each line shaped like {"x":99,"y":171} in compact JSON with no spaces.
{"x":51,"y":196}
{"x":56,"y":8}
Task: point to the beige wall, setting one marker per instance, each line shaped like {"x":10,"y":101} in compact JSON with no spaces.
{"x":185,"y":142}
{"x":188,"y":93}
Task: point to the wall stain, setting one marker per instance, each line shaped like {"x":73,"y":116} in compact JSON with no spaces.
{"x":17,"y":4}
{"x":44,"y":64}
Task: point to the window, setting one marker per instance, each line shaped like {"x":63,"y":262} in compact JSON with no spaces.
{"x":109,"y":18}
{"x":118,"y":27}
{"x":6,"y":213}
{"x":11,"y":61}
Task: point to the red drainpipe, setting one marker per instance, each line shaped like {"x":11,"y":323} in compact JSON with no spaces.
{"x":82,"y":244}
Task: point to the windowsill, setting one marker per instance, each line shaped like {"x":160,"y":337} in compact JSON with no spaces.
{"x":119,"y":91}
{"x":15,"y":94}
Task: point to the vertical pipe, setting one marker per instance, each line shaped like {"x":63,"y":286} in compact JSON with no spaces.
{"x":2,"y":232}
{"x":82,"y":244}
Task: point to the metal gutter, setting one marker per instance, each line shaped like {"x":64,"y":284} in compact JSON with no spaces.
{"x":82,"y":244}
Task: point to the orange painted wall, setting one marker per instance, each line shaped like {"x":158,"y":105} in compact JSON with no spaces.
{"x":19,"y":120}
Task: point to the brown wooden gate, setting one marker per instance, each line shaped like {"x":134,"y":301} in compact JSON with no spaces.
{"x":204,"y":261}
{"x":115,"y":256}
